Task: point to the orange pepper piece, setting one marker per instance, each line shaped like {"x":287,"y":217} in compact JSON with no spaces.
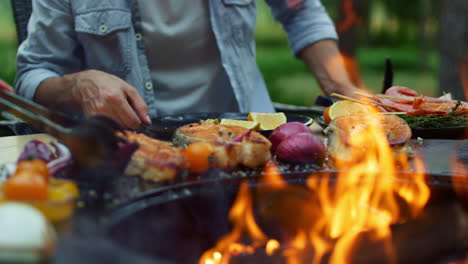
{"x":26,"y":186}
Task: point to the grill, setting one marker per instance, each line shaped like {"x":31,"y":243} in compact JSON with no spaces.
{"x":177,"y":224}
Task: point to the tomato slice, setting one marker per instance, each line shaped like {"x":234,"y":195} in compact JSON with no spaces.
{"x":36,"y":165}
{"x":198,"y":156}
{"x":26,"y":186}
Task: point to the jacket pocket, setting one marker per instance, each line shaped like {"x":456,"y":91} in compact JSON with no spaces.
{"x":105,"y":38}
{"x":240,"y":15}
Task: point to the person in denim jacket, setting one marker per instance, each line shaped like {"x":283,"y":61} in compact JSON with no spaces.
{"x":136,"y":59}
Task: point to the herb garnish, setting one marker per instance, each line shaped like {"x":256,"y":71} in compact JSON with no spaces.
{"x":438,"y":121}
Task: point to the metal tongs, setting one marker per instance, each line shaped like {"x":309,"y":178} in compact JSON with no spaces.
{"x":90,"y":141}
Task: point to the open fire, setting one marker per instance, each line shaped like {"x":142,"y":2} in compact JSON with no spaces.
{"x":323,"y":222}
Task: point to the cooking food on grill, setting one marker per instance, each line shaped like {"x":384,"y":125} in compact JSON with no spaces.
{"x":295,"y":143}
{"x":242,"y":123}
{"x":347,"y":139}
{"x":200,"y":156}
{"x":403,"y":99}
{"x":344,"y":107}
{"x":267,"y":121}
{"x":285,"y":131}
{"x":255,"y":121}
{"x":232,"y":145}
{"x":301,"y":148}
{"x":154,"y":160}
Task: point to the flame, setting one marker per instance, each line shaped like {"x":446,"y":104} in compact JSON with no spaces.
{"x":352,"y":68}
{"x":367,"y":196}
{"x":460,"y":181}
{"x":464,"y":75}
{"x":346,"y":24}
{"x":241,"y":215}
{"x":271,"y":246}
{"x":350,"y":17}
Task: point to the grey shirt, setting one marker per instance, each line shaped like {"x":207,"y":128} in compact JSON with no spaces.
{"x":183,"y":57}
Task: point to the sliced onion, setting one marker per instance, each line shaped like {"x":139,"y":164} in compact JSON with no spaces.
{"x":301,"y":148}
{"x":286,"y":130}
{"x":64,"y":158}
{"x":241,"y":137}
{"x":36,"y":149}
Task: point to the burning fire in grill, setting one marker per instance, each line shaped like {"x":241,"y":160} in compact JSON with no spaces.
{"x":323,"y":221}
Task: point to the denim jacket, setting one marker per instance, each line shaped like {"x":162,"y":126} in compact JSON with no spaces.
{"x":67,"y":36}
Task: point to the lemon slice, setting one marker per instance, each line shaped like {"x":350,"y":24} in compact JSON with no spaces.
{"x":241,"y":123}
{"x":267,"y":121}
{"x":345,"y":107}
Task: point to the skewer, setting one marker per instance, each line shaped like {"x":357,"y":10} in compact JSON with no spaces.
{"x":360,"y":101}
{"x":394,"y":97}
{"x":384,"y":96}
{"x":344,"y":97}
{"x":393,"y":113}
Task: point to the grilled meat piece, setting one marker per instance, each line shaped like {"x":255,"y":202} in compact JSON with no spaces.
{"x":154,"y":160}
{"x":253,"y":151}
{"x":349,"y":136}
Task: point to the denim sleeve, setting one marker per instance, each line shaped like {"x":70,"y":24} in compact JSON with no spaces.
{"x":305,"y":23}
{"x":50,"y":50}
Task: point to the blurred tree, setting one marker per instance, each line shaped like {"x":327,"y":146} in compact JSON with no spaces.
{"x":453,"y":48}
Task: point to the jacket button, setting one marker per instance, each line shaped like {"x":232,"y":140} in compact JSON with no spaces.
{"x":149,"y":86}
{"x":103,"y":28}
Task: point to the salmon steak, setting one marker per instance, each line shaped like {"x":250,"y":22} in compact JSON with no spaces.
{"x":253,"y":150}
{"x":347,"y":135}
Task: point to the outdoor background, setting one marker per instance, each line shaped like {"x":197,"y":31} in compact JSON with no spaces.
{"x":406,"y":31}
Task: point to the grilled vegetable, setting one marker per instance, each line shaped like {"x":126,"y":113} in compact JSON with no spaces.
{"x":36,"y":149}
{"x":301,"y":148}
{"x":285,"y":130}
{"x":35,"y":166}
{"x":25,"y":185}
{"x":199,"y":156}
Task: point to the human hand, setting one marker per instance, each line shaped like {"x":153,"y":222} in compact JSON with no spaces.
{"x":5,"y":87}
{"x":101,"y":93}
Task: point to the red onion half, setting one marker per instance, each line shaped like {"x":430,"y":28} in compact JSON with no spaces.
{"x":286,"y":130}
{"x":301,"y":148}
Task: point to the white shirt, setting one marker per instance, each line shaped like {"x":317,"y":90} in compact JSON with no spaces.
{"x":183,"y":58}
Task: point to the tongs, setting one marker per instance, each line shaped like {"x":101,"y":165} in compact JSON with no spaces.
{"x":90,"y":141}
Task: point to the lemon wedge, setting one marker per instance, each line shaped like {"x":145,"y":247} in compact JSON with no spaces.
{"x":267,"y":121}
{"x":241,"y":123}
